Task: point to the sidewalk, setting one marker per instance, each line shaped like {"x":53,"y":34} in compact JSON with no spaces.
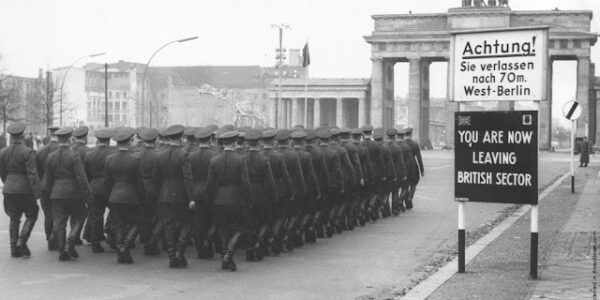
{"x":569,"y":228}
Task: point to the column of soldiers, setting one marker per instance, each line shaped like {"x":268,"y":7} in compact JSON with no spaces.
{"x":217,"y":188}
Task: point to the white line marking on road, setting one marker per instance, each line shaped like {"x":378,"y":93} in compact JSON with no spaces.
{"x":433,"y":282}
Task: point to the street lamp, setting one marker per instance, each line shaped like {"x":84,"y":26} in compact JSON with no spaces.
{"x":146,"y":70}
{"x":65,"y":77}
{"x":280,"y":58}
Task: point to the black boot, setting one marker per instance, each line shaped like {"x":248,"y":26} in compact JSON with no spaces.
{"x":151,"y":248}
{"x":24,"y":237}
{"x":227,"y":263}
{"x":205,"y":250}
{"x":63,"y":255}
{"x":87,"y":232}
{"x":182,"y":243}
{"x":120,"y":255}
{"x":52,"y":244}
{"x":72,"y":252}
{"x":173,"y":262}
{"x":13,"y":230}
{"x":125,"y":255}
{"x":97,"y":247}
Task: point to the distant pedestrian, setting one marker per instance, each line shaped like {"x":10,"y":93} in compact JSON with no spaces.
{"x":584,"y":156}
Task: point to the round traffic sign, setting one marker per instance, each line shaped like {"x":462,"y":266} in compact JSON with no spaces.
{"x":572,"y":110}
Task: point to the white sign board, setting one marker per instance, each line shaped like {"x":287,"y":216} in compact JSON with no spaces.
{"x":572,"y":110}
{"x":499,"y":65}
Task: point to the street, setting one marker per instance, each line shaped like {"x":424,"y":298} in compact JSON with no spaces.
{"x":370,"y":261}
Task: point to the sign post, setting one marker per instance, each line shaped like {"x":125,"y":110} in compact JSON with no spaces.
{"x":496,"y":153}
{"x":572,"y":111}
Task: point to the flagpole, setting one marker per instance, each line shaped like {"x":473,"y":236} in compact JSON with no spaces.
{"x":306,"y":97}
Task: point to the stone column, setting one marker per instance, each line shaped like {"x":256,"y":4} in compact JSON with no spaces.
{"x":339,"y":112}
{"x":272,"y":112}
{"x":376,"y":92}
{"x":583,"y":96}
{"x":414,"y":95}
{"x":545,"y":114}
{"x":361,"y":112}
{"x":317,"y":113}
{"x":294,"y":111}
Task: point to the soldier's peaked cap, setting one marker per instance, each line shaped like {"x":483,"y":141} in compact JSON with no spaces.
{"x":203,"y":133}
{"x":324,"y":133}
{"x":355,"y":131}
{"x":269,"y":134}
{"x":300,"y":134}
{"x":344,"y":130}
{"x":229,"y":135}
{"x":367,"y":128}
{"x":229,"y":126}
{"x":311,"y":134}
{"x":408,"y":130}
{"x":334,"y":131}
{"x":64,"y":131}
{"x":174,"y":130}
{"x":378,"y":133}
{"x":148,"y":134}
{"x":253,"y":135}
{"x":283,"y":134}
{"x":391,"y":132}
{"x":103,"y":133}
{"x":16,"y":128}
{"x":189,"y":131}
{"x":81,"y":131}
{"x":212,"y":127}
{"x":123,"y":133}
{"x":401,"y":131}
{"x":53,"y":128}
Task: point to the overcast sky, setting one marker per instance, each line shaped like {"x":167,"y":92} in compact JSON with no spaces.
{"x":48,"y":34}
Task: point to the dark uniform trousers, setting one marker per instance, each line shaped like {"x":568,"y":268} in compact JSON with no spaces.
{"x":177,"y":220}
{"x":46,"y":204}
{"x":234,"y":224}
{"x":126,"y":221}
{"x":62,"y":210}
{"x":97,"y":208}
{"x":15,"y":206}
{"x":202,"y":221}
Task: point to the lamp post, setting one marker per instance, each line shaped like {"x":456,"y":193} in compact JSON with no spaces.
{"x":280,"y":58}
{"x":65,"y":77}
{"x":146,"y":71}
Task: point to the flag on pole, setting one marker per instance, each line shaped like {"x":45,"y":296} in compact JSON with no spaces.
{"x":305,"y":56}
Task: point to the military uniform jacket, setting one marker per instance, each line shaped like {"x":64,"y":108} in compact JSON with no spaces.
{"x":65,"y":176}
{"x":388,"y":162}
{"x":228,"y":182}
{"x":18,"y":170}
{"x":41,"y":157}
{"x":355,"y":160}
{"x":320,"y":167}
{"x":347,"y":169}
{"x":416,"y":150}
{"x":81,"y":149}
{"x":409,"y":159}
{"x":376,"y":157}
{"x":292,"y":162}
{"x":200,"y":160}
{"x":398,"y":159}
{"x":190,"y":147}
{"x":365,"y":162}
{"x":172,"y":176}
{"x":313,"y":190}
{"x":261,"y":176}
{"x":283,"y":182}
{"x":94,"y":167}
{"x":123,"y":179}
{"x":148,"y":157}
{"x":332,"y":158}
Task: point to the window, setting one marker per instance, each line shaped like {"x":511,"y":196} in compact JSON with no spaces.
{"x":125,"y":118}
{"x":109,"y":94}
{"x":118,"y":117}
{"x":118,"y":105}
{"x":117,"y":95}
{"x":124,"y":94}
{"x":124,"y":105}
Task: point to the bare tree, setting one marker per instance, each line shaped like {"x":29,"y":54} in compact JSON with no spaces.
{"x":10,"y":100}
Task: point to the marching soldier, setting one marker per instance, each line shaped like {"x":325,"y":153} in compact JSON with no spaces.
{"x":410,"y":166}
{"x":342,"y":199}
{"x":79,"y":145}
{"x":172,"y":177}
{"x":292,"y":163}
{"x":283,"y":192}
{"x":320,"y":167}
{"x":228,"y":189}
{"x":336,"y":180}
{"x":200,"y":159}
{"x":94,"y":170}
{"x":263,"y":189}
{"x":312,"y":193}
{"x":378,"y":168}
{"x":21,"y":189}
{"x":390,"y":174}
{"x":413,"y":179}
{"x":151,"y":229}
{"x":354,"y":193}
{"x":69,"y":190}
{"x":45,"y":201}
{"x":398,"y":159}
{"x":365,"y":165}
{"x":125,"y":190}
